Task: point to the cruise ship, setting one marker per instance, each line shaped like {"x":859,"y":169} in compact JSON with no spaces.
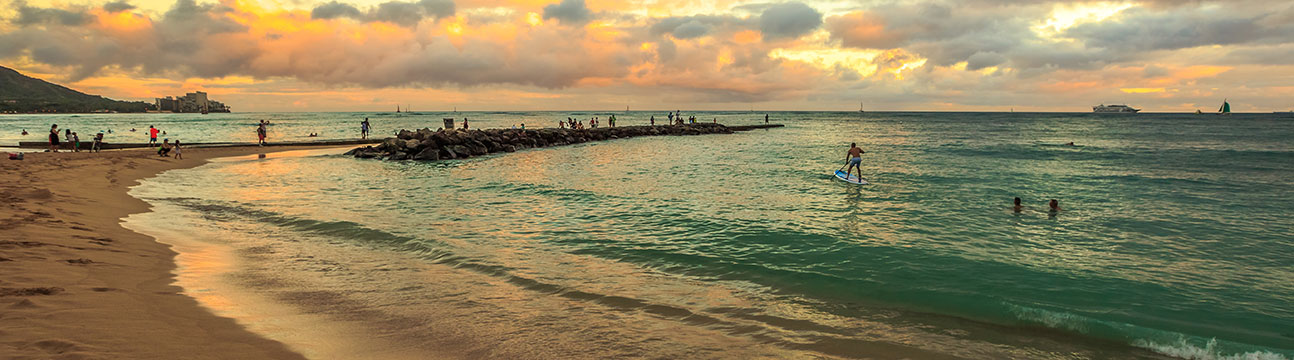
{"x":1103,"y":108}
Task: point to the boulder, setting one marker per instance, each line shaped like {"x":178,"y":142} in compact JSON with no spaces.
{"x":430,"y":153}
{"x":462,"y":151}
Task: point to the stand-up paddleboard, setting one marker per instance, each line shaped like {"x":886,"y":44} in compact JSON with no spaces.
{"x":850,"y":178}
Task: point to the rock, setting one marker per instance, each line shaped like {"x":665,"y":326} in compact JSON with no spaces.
{"x":462,"y":151}
{"x":430,"y":153}
{"x":428,"y":145}
{"x":412,"y":145}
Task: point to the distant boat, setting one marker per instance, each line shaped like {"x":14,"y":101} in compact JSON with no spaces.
{"x":860,"y":108}
{"x":1225,"y":109}
{"x":397,"y":109}
{"x":1103,"y":108}
{"x":1198,"y":112}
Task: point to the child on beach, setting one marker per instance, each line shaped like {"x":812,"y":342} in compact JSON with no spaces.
{"x":76,"y":143}
{"x":176,"y":148}
{"x":98,"y":141}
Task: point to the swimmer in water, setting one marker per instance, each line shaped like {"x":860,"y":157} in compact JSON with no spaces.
{"x":1054,"y":206}
{"x":1018,"y":207}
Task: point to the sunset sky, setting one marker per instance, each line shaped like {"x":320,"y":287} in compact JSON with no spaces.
{"x":303,"y":55}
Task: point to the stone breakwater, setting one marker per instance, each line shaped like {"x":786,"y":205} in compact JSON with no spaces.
{"x":432,"y":145}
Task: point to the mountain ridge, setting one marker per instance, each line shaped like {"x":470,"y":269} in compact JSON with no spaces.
{"x":24,"y":94}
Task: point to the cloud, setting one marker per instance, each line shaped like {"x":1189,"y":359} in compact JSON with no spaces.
{"x":690,"y":27}
{"x":569,"y":12}
{"x":118,"y":6}
{"x":862,"y":30}
{"x":789,"y":20}
{"x":28,"y":15}
{"x":1142,"y":29}
{"x":396,"y":12}
{"x":982,"y":60}
{"x":333,"y":10}
{"x":901,"y":53}
{"x":438,"y":8}
{"x":407,"y":14}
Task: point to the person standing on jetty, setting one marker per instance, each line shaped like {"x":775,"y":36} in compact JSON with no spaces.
{"x":53,"y":138}
{"x":765,"y":118}
{"x":653,"y":120}
{"x":855,"y":158}
{"x":152,"y":135}
{"x":363,"y":129}
{"x":260,"y":134}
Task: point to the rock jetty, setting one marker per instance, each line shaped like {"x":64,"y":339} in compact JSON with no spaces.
{"x":432,"y":145}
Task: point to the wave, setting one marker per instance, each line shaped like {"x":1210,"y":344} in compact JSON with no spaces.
{"x":1160,"y":341}
{"x":1186,"y":350}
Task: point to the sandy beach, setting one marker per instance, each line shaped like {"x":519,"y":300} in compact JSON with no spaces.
{"x":75,"y":284}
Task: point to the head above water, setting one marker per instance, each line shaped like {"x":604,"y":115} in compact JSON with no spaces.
{"x":1017,"y":200}
{"x":1054,"y":203}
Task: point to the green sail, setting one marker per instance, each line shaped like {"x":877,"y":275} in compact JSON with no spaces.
{"x":1226,"y":107}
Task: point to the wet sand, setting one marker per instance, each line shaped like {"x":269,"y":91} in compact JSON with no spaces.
{"x":75,"y":284}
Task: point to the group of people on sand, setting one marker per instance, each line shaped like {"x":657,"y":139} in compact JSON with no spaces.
{"x":72,"y":138}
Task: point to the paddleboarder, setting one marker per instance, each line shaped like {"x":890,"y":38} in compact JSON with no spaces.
{"x":855,"y":159}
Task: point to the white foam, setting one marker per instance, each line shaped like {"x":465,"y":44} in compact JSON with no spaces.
{"x":1185,"y":350}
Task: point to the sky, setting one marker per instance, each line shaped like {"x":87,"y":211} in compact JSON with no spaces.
{"x":433,"y":55}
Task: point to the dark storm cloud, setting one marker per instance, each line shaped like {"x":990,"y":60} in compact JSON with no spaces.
{"x":788,"y":21}
{"x":118,"y":6}
{"x":568,"y":11}
{"x":335,"y":10}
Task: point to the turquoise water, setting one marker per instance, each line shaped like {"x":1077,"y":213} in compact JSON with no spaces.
{"x":1174,"y":238}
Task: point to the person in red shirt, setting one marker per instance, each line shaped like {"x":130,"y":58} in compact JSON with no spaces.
{"x":152,"y":135}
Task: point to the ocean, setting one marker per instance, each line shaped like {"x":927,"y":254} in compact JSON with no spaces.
{"x":1174,"y":239}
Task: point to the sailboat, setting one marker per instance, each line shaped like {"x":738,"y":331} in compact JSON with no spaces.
{"x":397,"y":109}
{"x":860,"y":108}
{"x":1198,"y":112}
{"x":1225,"y":109}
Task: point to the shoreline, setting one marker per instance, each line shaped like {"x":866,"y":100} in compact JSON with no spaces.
{"x":75,"y":282}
